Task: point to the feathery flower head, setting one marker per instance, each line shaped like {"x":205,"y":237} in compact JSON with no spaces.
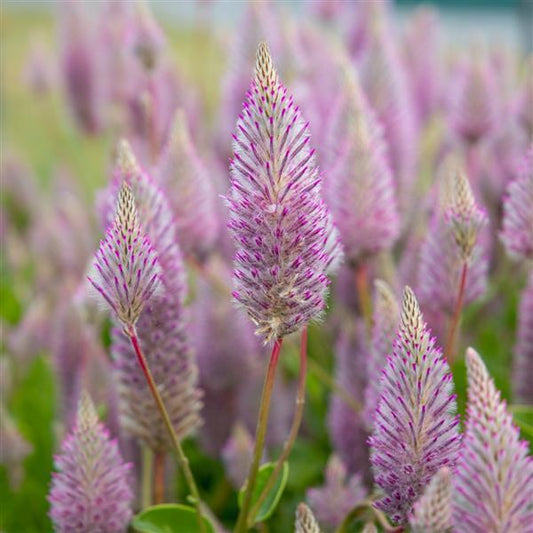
{"x":126,"y":271}
{"x":415,"y":429}
{"x":91,"y":491}
{"x":493,"y":483}
{"x":282,"y":229}
{"x":191,"y":193}
{"x":305,"y":520}
{"x":360,"y":189}
{"x":523,"y":360}
{"x":237,"y":454}
{"x":385,"y":321}
{"x":517,"y":234}
{"x":432,"y":513}
{"x":369,"y":528}
{"x":334,"y":500}
{"x":463,"y":215}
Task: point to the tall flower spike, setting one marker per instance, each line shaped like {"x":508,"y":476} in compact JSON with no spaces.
{"x":91,"y":490}
{"x":415,"y":429}
{"x":360,"y":189}
{"x":523,"y":360}
{"x":517,"y":234}
{"x":432,"y":513}
{"x":493,"y":483}
{"x":126,"y":270}
{"x":190,"y":191}
{"x":385,"y":323}
{"x":463,"y":215}
{"x":161,"y":327}
{"x":337,"y":497}
{"x":305,"y":521}
{"x":282,"y":229}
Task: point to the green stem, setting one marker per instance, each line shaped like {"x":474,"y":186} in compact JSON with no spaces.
{"x":147,"y":459}
{"x":159,"y":478}
{"x":363,"y":292}
{"x":180,"y":454}
{"x":454,"y":325}
{"x":293,"y":433}
{"x":345,"y":396}
{"x":260,"y":434}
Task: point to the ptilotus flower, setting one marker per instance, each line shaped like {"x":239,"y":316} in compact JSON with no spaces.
{"x":369,"y":527}
{"x":190,"y":191}
{"x":473,"y":106}
{"x":305,"y":520}
{"x":493,"y":483}
{"x":161,"y":326}
{"x":523,"y":352}
{"x":91,"y":490}
{"x":79,"y":67}
{"x":147,"y":38}
{"x":463,"y":215}
{"x":525,"y":99}
{"x":432,"y":513}
{"x":442,"y":255}
{"x":517,"y":234}
{"x":38,"y":71}
{"x":126,"y":269}
{"x":335,"y":499}
{"x":282,"y":229}
{"x":359,"y":188}
{"x":423,"y":62}
{"x":415,"y":429}
{"x":347,"y":426}
{"x":385,"y":321}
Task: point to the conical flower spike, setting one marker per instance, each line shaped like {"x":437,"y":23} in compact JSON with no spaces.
{"x":415,"y":429}
{"x":91,"y":490}
{"x":282,"y":229}
{"x":305,"y":521}
{"x":493,"y":484}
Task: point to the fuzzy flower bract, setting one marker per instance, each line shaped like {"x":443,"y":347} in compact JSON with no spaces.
{"x":305,"y":521}
{"x":415,"y":428}
{"x":281,"y":227}
{"x":91,"y":491}
{"x":493,"y":484}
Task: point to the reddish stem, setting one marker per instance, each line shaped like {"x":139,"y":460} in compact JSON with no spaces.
{"x":454,"y":325}
{"x":260,"y":434}
{"x":159,"y":478}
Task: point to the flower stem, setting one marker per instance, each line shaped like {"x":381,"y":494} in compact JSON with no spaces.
{"x":260,"y":434}
{"x":159,"y":478}
{"x":146,"y":476}
{"x":454,"y":325}
{"x":180,"y":454}
{"x":361,"y":283}
{"x":338,"y":389}
{"x":293,"y":433}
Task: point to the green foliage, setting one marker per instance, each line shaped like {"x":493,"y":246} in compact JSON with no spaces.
{"x":32,"y":406}
{"x":170,"y":518}
{"x":273,"y":496}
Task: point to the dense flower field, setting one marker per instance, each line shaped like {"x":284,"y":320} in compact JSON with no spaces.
{"x":274,"y":279}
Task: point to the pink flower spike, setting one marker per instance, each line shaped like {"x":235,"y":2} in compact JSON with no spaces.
{"x":126,"y":271}
{"x":493,"y":483}
{"x":415,"y":428}
{"x":282,"y":229}
{"x":92,"y":489}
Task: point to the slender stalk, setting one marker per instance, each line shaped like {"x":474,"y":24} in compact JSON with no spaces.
{"x":454,"y":325}
{"x":182,"y":458}
{"x":336,"y":387}
{"x":147,"y":458}
{"x":363,"y":292}
{"x":260,"y":434}
{"x":159,"y":478}
{"x":293,"y":433}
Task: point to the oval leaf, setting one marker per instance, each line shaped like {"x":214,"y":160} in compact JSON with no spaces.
{"x":169,"y":518}
{"x":273,"y":496}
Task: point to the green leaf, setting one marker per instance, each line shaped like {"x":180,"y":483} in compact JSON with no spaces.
{"x":273,"y":496}
{"x":169,"y":518}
